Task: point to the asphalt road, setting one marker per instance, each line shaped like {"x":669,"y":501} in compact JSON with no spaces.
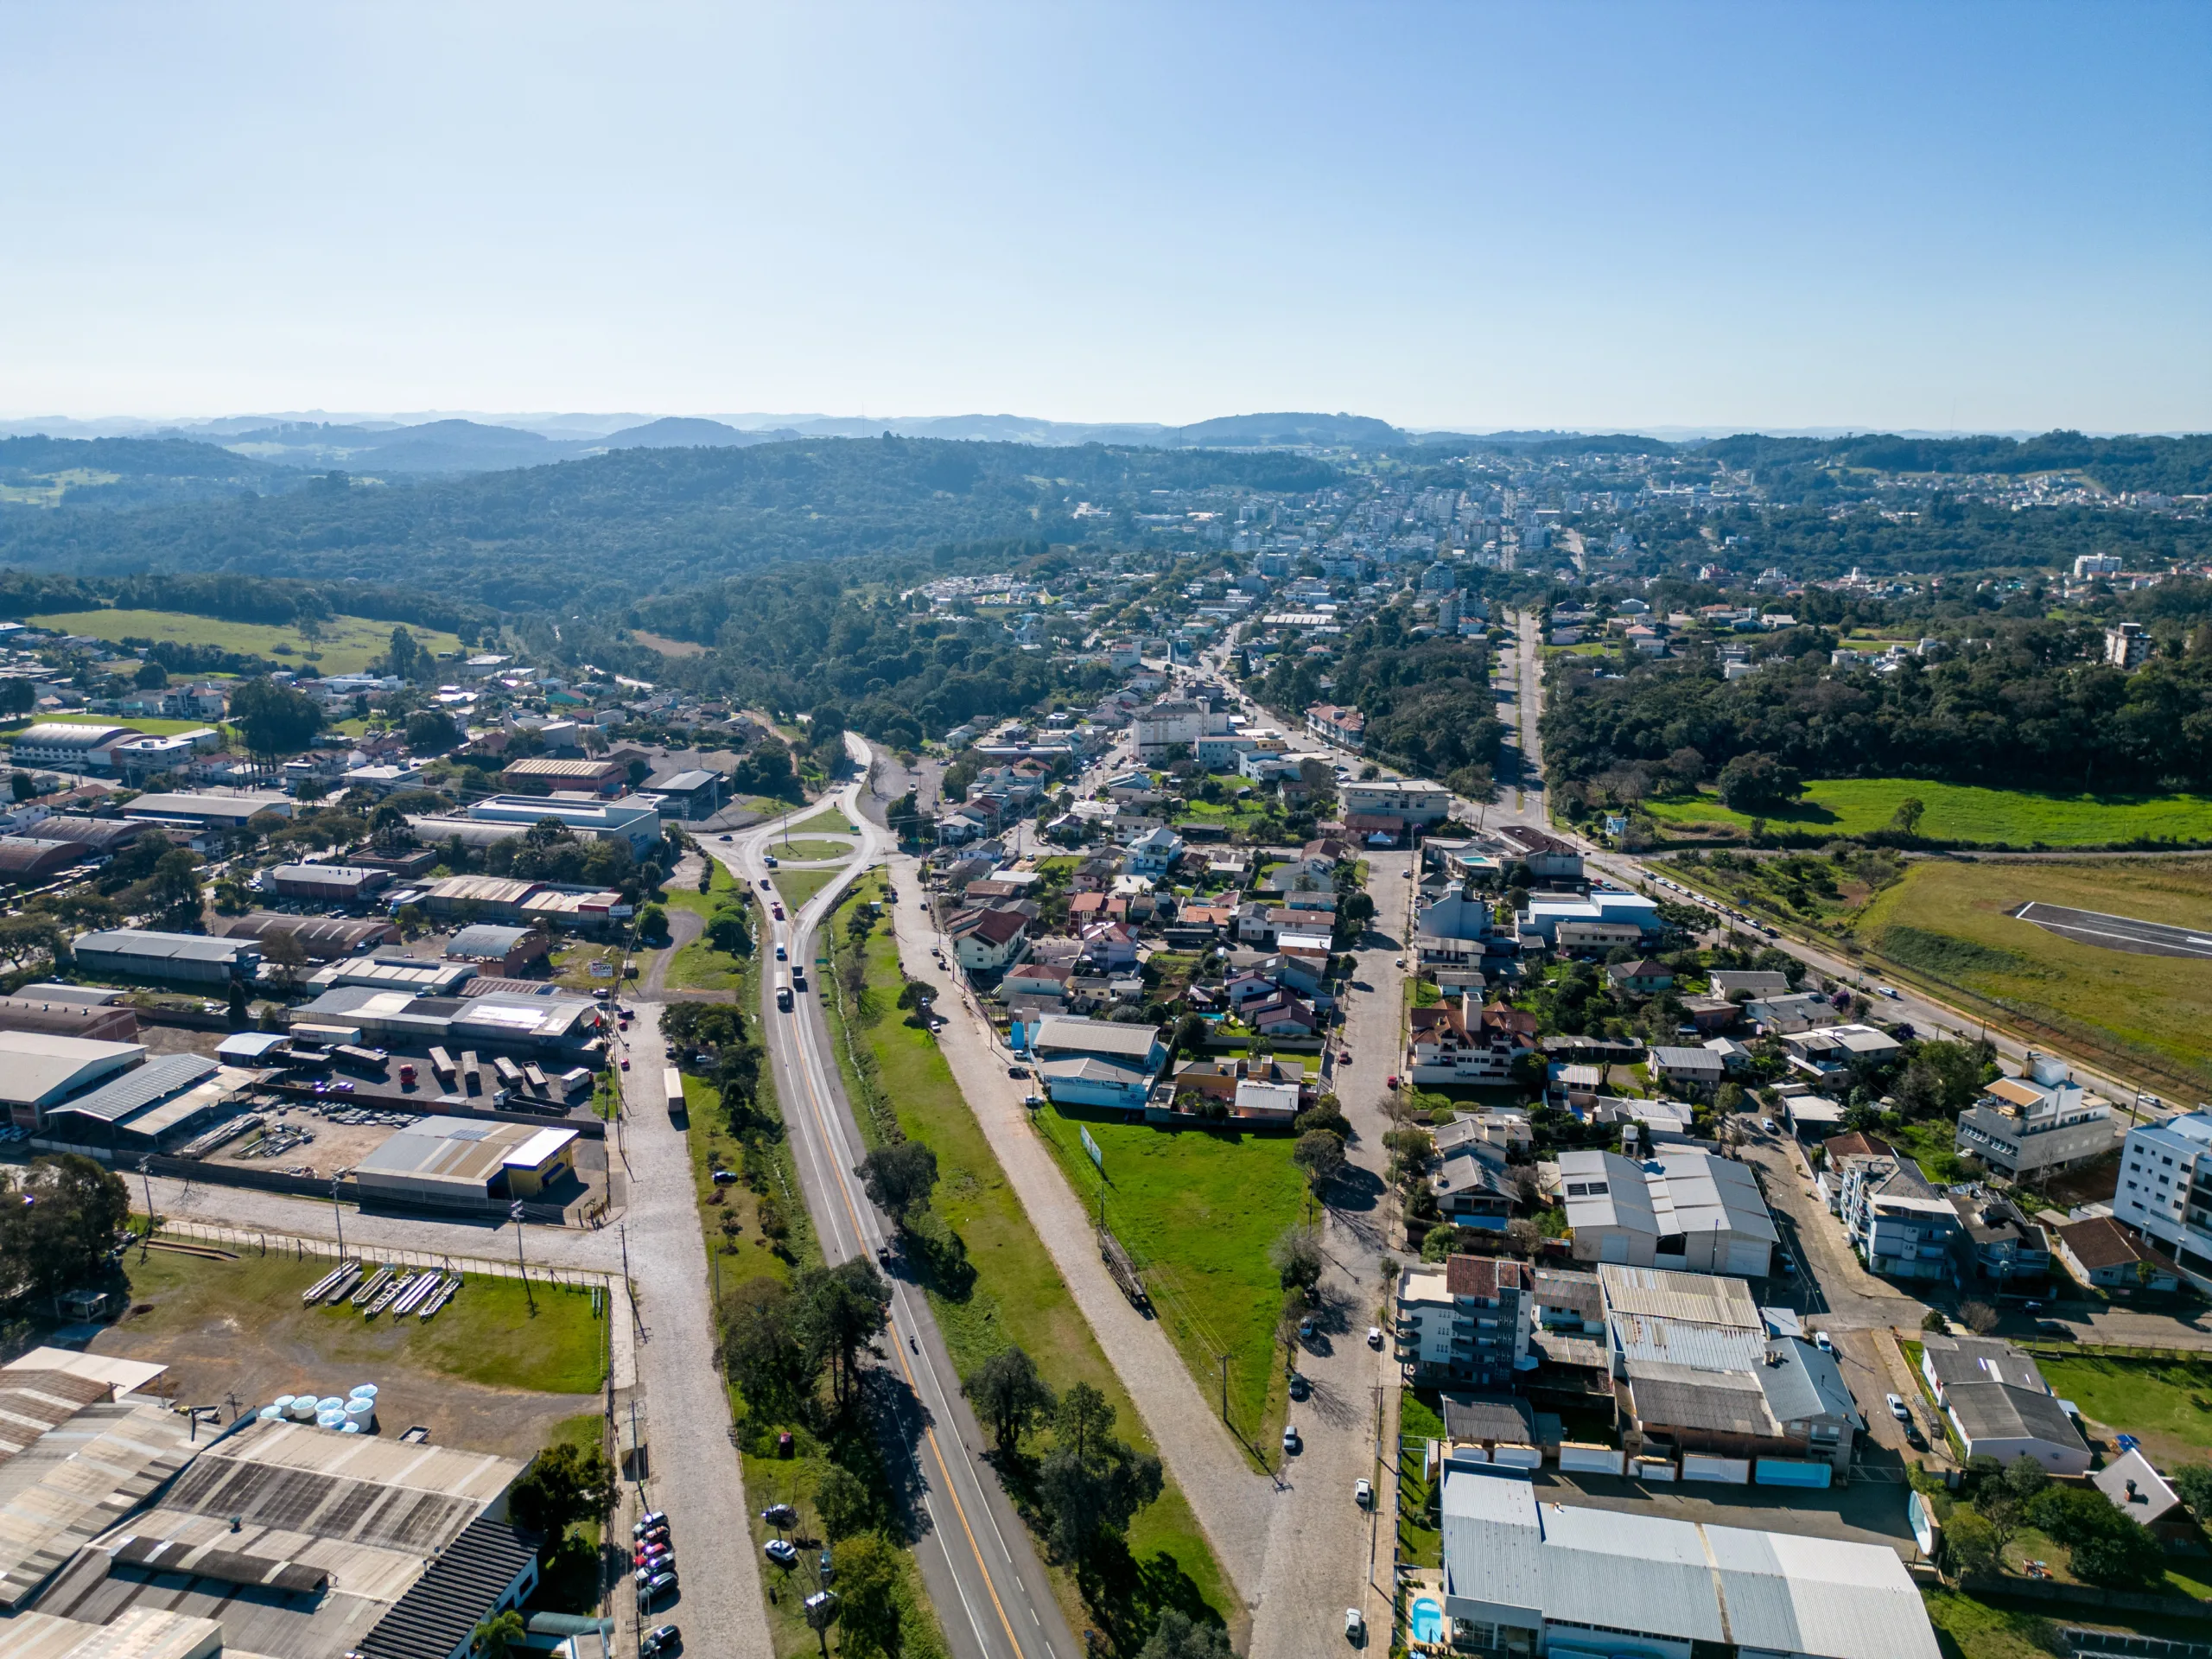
{"x":2115,"y":932}
{"x":981,"y":1570}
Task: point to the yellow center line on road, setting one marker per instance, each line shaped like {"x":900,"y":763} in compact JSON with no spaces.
{"x":860,"y":1236}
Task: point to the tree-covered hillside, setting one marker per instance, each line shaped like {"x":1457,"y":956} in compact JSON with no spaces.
{"x":605,"y":531}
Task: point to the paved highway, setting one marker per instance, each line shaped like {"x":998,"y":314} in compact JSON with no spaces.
{"x":982,"y":1573}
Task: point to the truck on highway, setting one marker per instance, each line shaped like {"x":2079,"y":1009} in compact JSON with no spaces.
{"x":783,"y":992}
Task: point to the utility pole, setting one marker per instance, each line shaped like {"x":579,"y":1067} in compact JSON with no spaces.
{"x":339,"y":1216}
{"x":514,"y":1214}
{"x":1225,"y":1388}
{"x":146,"y":1173}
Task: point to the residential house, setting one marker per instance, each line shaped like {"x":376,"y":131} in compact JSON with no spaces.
{"x":1281,"y":1015}
{"x":1840,"y":1051}
{"x":1502,"y":1131}
{"x":1644,"y":978}
{"x":1748,"y":984}
{"x":1457,"y":932}
{"x":1345,"y":728}
{"x":2145,"y":1497}
{"x":1221,"y":1079}
{"x":984,"y":941}
{"x":2165,"y":1188}
{"x":1154,"y":853}
{"x":1800,"y":1011}
{"x":1098,"y":1062}
{"x":1812,"y":1117}
{"x":1034,"y":978}
{"x":1681,"y":1208}
{"x":2003,"y":1246}
{"x":1401,"y":800}
{"x":1463,"y":1320}
{"x":1464,"y":1042}
{"x":1999,"y":1404}
{"x":2104,"y":1252}
{"x":1473,"y":1188}
{"x":1548,"y":858}
{"x":2038,"y":1123}
{"x":1584,"y":939}
{"x":1110,"y":945}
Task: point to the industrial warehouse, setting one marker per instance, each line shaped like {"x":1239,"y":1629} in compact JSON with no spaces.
{"x":462,"y":1161}
{"x":275,"y":1537}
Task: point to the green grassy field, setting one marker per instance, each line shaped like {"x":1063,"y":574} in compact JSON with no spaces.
{"x":698,"y":965}
{"x":1960,"y":813}
{"x":797,"y":886}
{"x":151,"y":728}
{"x":1950,"y":922}
{"x":2167,"y":1404}
{"x":349,"y":644}
{"x":831,"y":819}
{"x":1017,"y":1296}
{"x":1198,"y":1211}
{"x":487,"y":1334}
{"x":809,"y":851}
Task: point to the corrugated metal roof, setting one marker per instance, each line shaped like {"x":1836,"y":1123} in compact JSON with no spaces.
{"x":1671,"y":1396}
{"x":1635,"y":1573}
{"x":1695,"y":1297}
{"x":162,"y":1076}
{"x":1682,"y":1341}
{"x":163,"y":947}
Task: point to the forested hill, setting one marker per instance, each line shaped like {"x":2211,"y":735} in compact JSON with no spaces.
{"x":109,"y":472}
{"x":2173,"y":466}
{"x":608,"y":529}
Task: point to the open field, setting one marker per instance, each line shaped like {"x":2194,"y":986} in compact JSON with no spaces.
{"x":486,"y":1372}
{"x":666,"y":646}
{"x":151,"y":728}
{"x":698,"y":966}
{"x":349,"y":644}
{"x":1960,"y":813}
{"x":1016,"y":1296}
{"x":1948,"y":922}
{"x":1199,"y":1211}
{"x":831,"y":819}
{"x":2167,"y":1404}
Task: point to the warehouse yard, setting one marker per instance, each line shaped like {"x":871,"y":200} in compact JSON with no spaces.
{"x":486,"y":1372}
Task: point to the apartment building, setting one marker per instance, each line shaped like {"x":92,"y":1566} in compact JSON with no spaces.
{"x":2165,"y":1188}
{"x":1463,"y":1321}
{"x":2040,"y":1121}
{"x":1901,"y":1226}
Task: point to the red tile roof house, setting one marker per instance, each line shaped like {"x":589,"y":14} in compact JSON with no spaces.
{"x":988,"y":941}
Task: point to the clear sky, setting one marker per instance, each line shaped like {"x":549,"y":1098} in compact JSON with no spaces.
{"x":1951,"y":215}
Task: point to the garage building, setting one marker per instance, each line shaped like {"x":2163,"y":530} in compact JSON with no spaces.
{"x":326,"y":884}
{"x":324,"y":938}
{"x":179,"y":959}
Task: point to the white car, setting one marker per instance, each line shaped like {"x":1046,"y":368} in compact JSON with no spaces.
{"x":1290,"y":1440}
{"x":1375,"y":1336}
{"x":1354,"y":1624}
{"x":1821,"y":1341}
{"x":1363,"y":1493}
{"x":1897,"y":1408}
{"x":1770,"y":1126}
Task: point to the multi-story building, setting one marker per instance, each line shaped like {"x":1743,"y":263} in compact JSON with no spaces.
{"x":1901,"y":1226}
{"x":1409,"y":800}
{"x":2165,"y":1188}
{"x":2037,"y":1123}
{"x":1464,"y":1042}
{"x":1170,"y":723}
{"x":2002,"y":1244}
{"x":1345,"y":728}
{"x":2127,"y":645}
{"x":1463,"y":1321}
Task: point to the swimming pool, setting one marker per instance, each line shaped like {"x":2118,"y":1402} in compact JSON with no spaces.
{"x":1427,"y":1620}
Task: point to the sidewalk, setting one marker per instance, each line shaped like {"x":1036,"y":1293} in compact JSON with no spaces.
{"x":1232,"y":1502}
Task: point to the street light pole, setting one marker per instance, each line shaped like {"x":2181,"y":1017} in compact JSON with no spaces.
{"x":514,"y":1214}
{"x":339,"y":1216}
{"x":146,"y":1174}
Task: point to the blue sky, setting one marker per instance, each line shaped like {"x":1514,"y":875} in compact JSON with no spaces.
{"x":1597,"y":215}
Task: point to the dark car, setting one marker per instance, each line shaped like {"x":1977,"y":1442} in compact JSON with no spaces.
{"x":647,"y":1522}
{"x":667,"y":1638}
{"x":652,"y":1589}
{"x":725,"y":1177}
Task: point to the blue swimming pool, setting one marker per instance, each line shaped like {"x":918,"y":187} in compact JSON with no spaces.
{"x":1427,"y":1620}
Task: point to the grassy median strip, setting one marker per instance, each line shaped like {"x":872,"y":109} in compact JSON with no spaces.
{"x":757,"y":1228}
{"x":992,"y":1283}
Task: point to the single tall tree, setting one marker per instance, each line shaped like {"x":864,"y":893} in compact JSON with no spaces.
{"x":1010,"y":1395}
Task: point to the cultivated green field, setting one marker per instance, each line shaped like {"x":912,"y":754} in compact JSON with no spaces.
{"x":1951,"y":923}
{"x":349,"y":644}
{"x":1961,"y":813}
{"x":1198,"y":1212}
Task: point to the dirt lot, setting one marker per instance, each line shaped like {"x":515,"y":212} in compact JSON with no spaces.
{"x":236,"y":1330}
